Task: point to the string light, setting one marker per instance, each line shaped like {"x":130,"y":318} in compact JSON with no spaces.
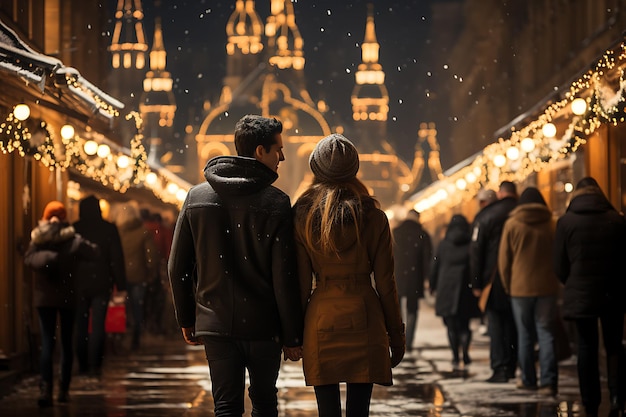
{"x":21,"y":112}
{"x":67,"y":131}
{"x":538,"y":139}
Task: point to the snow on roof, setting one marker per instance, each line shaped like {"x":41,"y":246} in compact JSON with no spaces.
{"x":20,"y":59}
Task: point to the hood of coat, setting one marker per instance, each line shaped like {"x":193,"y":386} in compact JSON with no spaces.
{"x":51,"y":233}
{"x":531,"y":213}
{"x":237,"y":175}
{"x":589,"y":200}
{"x":90,"y":209}
{"x":408,"y":226}
{"x":458,"y":231}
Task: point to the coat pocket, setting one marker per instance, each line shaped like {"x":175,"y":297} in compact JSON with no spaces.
{"x":346,"y":314}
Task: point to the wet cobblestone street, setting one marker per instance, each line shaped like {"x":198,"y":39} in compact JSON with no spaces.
{"x":168,"y":378}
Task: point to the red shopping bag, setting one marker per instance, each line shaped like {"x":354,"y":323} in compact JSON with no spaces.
{"x":115,"y":321}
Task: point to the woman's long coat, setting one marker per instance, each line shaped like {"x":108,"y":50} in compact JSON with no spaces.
{"x":351,"y":320}
{"x":450,"y":274}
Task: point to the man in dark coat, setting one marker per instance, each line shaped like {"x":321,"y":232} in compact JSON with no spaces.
{"x":232,"y":270}
{"x":94,"y":284}
{"x":412,"y":252}
{"x":486,"y":233}
{"x":589,"y":247}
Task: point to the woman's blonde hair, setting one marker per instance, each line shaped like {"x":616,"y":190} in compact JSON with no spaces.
{"x":326,"y":206}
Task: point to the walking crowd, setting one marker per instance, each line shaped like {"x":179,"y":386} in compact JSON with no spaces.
{"x":84,"y":272}
{"x":329,"y":281}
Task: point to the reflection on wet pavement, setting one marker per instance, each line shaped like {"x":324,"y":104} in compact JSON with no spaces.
{"x":169,"y":378}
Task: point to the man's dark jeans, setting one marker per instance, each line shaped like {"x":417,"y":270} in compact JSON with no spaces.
{"x":228,"y":360}
{"x":588,"y":364}
{"x":503,"y":341}
{"x":90,"y":347}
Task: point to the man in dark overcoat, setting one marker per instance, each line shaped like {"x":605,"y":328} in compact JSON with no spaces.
{"x":486,"y":233}
{"x":412,"y":256}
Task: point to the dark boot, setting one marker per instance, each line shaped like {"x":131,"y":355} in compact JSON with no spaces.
{"x":64,"y":389}
{"x":45,"y":394}
{"x":64,"y":396}
{"x":465,"y":342}
{"x":617,"y":407}
{"x":453,"y":341}
{"x":499,"y":376}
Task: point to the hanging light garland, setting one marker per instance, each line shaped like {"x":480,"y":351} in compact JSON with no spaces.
{"x":537,"y":145}
{"x":14,"y":136}
{"x":112,"y":168}
{"x":137,"y":151}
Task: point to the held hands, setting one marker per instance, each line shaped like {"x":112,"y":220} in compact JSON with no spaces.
{"x":477,"y":292}
{"x":189,"y":334}
{"x":292,"y":353}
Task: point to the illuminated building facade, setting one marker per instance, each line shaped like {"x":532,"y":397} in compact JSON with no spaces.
{"x":269,"y":79}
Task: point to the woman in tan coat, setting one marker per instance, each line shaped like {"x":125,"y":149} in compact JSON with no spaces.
{"x":345,"y":262}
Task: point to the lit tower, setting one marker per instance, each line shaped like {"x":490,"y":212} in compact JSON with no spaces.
{"x":244,"y":30}
{"x":285,"y":43}
{"x":128,"y":58}
{"x":276,"y":87}
{"x":426,"y":153}
{"x":158,"y":105}
{"x":382,"y":171}
{"x":370,"y":99}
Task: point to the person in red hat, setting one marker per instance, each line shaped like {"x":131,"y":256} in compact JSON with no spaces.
{"x":54,"y":251}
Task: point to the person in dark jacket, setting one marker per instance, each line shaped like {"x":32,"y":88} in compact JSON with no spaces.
{"x":232,"y":270}
{"x":95,"y":283}
{"x":450,"y":283}
{"x":589,"y":249}
{"x":486,"y":233}
{"x":412,"y":255}
{"x":54,"y":252}
{"x":525,"y":266}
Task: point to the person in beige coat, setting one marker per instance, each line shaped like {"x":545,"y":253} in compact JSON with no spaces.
{"x":525,"y":266}
{"x":141,"y":263}
{"x":346,"y":269}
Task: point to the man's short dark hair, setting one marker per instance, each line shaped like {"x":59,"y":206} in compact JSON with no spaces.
{"x":508,"y":187}
{"x":253,"y":130}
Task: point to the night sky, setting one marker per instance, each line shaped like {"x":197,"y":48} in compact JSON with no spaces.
{"x":195,"y":38}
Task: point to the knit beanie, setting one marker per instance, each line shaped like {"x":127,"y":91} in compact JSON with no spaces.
{"x":54,"y":209}
{"x":334,"y":159}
